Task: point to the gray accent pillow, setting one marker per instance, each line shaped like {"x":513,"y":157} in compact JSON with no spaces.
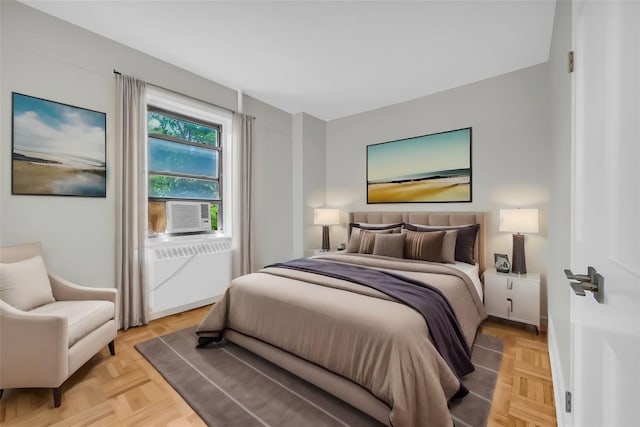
{"x":354,"y":239}
{"x":465,"y":240}
{"x":448,"y":245}
{"x":424,"y":246}
{"x":367,"y":241}
{"x":391,"y":245}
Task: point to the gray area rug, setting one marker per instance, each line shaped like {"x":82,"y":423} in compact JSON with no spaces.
{"x":230,"y":386}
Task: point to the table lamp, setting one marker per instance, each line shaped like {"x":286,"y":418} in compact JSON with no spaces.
{"x":325,"y":218}
{"x":519,"y":221}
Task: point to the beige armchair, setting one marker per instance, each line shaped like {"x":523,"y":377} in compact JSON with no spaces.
{"x":49,"y":327}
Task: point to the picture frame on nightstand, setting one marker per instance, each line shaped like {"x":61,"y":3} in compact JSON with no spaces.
{"x":502,"y":263}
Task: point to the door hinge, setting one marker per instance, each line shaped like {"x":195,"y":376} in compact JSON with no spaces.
{"x":571,"y":61}
{"x":567,"y":401}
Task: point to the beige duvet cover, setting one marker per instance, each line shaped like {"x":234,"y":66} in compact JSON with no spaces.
{"x":354,"y":331}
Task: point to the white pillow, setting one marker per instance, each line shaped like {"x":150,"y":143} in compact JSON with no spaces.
{"x":25,"y":284}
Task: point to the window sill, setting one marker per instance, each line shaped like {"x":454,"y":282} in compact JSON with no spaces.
{"x":163,"y":239}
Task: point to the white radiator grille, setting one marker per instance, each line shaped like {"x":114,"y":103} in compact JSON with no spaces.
{"x":186,"y":275}
{"x":185,"y":251}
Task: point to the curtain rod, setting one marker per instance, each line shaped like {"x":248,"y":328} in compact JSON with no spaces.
{"x":182,"y":94}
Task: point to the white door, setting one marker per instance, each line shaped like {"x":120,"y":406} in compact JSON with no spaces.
{"x":605,"y":372}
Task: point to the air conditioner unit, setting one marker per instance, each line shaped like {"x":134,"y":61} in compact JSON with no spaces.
{"x":185,"y":217}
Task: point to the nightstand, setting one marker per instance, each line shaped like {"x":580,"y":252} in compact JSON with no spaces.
{"x":513,"y":296}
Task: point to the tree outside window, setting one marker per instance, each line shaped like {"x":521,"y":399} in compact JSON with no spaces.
{"x":184,"y":162}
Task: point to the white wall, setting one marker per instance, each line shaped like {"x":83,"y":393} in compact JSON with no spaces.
{"x":299,"y":224}
{"x":49,"y":58}
{"x":510,"y":152}
{"x":272,"y":182}
{"x":309,"y":176}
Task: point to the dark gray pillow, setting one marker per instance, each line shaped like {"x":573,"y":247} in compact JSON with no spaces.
{"x":391,"y":245}
{"x":354,"y":238}
{"x":365,"y":226}
{"x":423,"y":245}
{"x":465,"y":242}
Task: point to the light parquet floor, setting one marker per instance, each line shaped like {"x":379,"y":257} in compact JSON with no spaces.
{"x":524,"y":391}
{"x":125,"y":390}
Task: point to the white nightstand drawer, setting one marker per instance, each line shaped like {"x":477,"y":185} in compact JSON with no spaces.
{"x":512,"y":296}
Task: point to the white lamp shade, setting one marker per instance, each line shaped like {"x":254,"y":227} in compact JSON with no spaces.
{"x":519,"y":220}
{"x":326,"y":216}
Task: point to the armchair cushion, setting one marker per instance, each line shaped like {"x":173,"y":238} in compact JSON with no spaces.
{"x":25,"y":284}
{"x":83,"y":317}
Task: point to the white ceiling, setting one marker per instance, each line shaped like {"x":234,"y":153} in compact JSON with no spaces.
{"x":328,"y":59}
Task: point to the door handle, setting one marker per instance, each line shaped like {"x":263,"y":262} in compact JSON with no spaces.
{"x":592,"y":281}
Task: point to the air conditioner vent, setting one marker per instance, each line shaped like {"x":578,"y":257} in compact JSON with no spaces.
{"x":184,"y":217}
{"x":185,"y":251}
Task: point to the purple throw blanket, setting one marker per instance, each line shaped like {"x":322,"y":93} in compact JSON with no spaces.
{"x":427,"y":300}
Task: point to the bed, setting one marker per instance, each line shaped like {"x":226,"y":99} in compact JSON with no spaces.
{"x":359,"y":343}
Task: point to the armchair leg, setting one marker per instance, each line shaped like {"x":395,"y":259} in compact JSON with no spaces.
{"x":57,"y":396}
{"x":112,"y":348}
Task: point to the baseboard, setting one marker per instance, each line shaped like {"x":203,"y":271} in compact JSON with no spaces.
{"x":563,"y":418}
{"x":180,"y":309}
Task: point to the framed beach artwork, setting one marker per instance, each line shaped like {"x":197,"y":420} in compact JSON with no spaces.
{"x":58,"y":149}
{"x":432,"y":168}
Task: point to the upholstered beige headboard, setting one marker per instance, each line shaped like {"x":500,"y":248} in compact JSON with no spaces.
{"x":431,"y":218}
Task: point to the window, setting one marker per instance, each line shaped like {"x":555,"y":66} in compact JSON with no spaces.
{"x":184,"y":164}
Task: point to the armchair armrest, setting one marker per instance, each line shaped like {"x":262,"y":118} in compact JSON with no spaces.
{"x":64,"y":290}
{"x":33,"y":349}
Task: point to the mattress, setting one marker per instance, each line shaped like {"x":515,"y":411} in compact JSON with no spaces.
{"x":473,"y":271}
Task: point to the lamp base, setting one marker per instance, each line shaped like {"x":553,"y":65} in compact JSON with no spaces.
{"x":325,"y":238}
{"x":519,"y":265}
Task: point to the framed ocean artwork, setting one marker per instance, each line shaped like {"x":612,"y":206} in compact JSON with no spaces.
{"x":57,"y":149}
{"x":433,"y":168}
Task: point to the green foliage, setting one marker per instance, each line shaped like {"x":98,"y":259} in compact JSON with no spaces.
{"x":214,"y":217}
{"x":164,"y":125}
{"x":182,"y":188}
{"x":160,"y":186}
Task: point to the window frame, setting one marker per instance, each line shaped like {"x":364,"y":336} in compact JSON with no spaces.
{"x":220,"y":163}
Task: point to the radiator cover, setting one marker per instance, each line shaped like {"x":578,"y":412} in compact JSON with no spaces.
{"x":183,"y":275}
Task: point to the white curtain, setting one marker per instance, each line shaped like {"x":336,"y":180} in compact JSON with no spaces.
{"x":243,"y":223}
{"x":131,"y":201}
